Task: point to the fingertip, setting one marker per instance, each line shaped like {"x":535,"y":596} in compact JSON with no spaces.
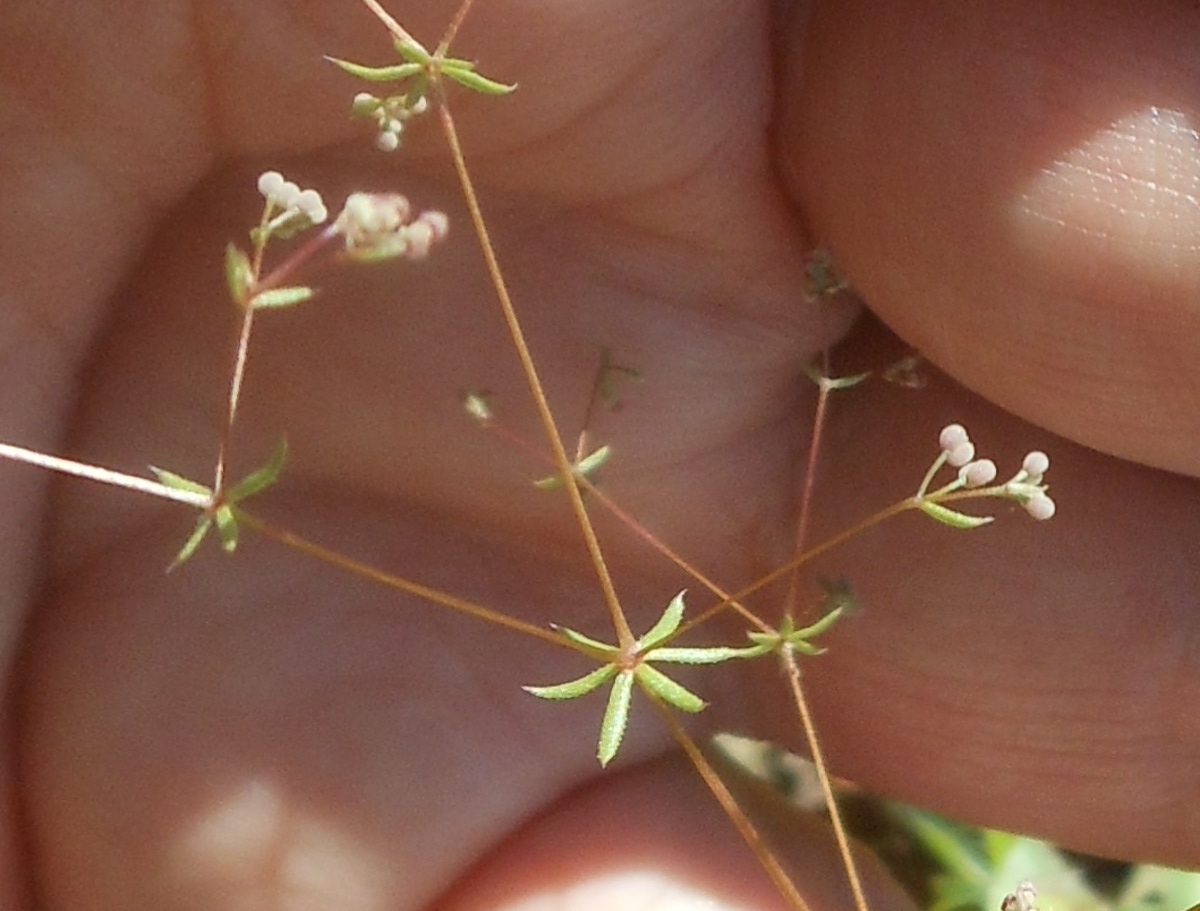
{"x":653,"y":837}
{"x":1015,"y":189}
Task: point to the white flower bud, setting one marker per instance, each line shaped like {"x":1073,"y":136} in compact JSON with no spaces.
{"x":978,"y":473}
{"x":1040,"y":506}
{"x":1036,"y":464}
{"x":270,"y":183}
{"x":961,"y":454}
{"x":952,"y":436}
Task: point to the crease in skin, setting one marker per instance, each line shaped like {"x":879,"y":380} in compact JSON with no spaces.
{"x":1125,"y":201}
{"x":250,"y":850}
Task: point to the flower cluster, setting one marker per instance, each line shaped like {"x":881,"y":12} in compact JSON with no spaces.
{"x":975,"y":478}
{"x":380,"y":226}
{"x":389,"y":114}
{"x":289,"y":209}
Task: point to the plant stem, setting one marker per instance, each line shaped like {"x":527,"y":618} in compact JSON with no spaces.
{"x":452,"y":29}
{"x":425,"y":592}
{"x":103,"y":475}
{"x":562,"y":462}
{"x":397,"y":30}
{"x":799,"y":560}
{"x":717,"y":787}
{"x":818,"y":757}
{"x":810,"y":471}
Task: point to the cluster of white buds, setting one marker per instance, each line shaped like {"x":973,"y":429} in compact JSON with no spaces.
{"x":289,"y":209}
{"x":1026,"y":487}
{"x":380,"y":226}
{"x":1022,"y":899}
{"x":389,"y":114}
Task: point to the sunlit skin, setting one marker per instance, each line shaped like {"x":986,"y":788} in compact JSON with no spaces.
{"x":1011,"y":186}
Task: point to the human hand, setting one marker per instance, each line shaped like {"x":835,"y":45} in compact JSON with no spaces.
{"x":258,"y":730}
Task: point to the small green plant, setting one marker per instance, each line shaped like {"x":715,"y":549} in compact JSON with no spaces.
{"x":294,"y":232}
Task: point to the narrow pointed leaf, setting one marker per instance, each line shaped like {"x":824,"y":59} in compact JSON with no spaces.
{"x":194,"y":539}
{"x":668,"y":690}
{"x":713,"y":654}
{"x":279,"y":298}
{"x":585,"y":467}
{"x":592,"y":646}
{"x":238,"y":274}
{"x":666,"y":625}
{"x":763,"y":642}
{"x":806,"y":648}
{"x":835,"y":382}
{"x":260,"y":480}
{"x":478,"y":83}
{"x":616,"y":718}
{"x":377,"y":73}
{"x":952,"y":517}
{"x":573,"y":689}
{"x":227,"y":529}
{"x":819,"y":627}
{"x":411,"y":51}
{"x":178,"y":482}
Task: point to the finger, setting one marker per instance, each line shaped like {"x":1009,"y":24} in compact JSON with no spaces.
{"x":653,"y":837}
{"x":1030,"y":676}
{"x":1013,"y":189}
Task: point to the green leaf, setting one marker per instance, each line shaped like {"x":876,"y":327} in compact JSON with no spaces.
{"x":584,"y":468}
{"x":260,"y":480}
{"x":278,"y":298}
{"x":411,"y":51}
{"x":573,"y":689}
{"x":949,"y":844}
{"x":476,"y":82}
{"x":834,"y":383}
{"x":227,"y":529}
{"x":668,"y":690}
{"x":952,"y":517}
{"x":1152,"y":888}
{"x":820,"y":626}
{"x":194,"y":539}
{"x":591,"y":646}
{"x":239,"y":274}
{"x":378,"y":73}
{"x":178,"y":482}
{"x":478,"y":407}
{"x":616,"y":717}
{"x":714,"y":654}
{"x":666,"y":625}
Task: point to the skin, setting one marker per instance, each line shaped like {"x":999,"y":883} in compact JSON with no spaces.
{"x":1010,"y":188}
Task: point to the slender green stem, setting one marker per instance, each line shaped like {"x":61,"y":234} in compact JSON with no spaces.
{"x":562,"y":461}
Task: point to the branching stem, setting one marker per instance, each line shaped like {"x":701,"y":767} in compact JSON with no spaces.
{"x":562,"y":461}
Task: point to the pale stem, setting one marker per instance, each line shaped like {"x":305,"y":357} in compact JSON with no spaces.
{"x":104,"y":475}
{"x":391,"y":24}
